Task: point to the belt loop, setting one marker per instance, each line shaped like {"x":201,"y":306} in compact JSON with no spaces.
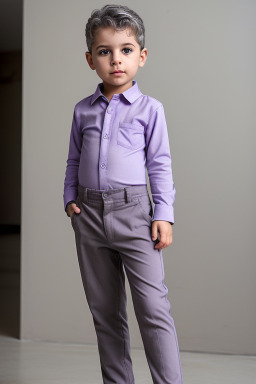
{"x":128,"y":194}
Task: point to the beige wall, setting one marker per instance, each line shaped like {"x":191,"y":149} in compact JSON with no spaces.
{"x":201,"y":66}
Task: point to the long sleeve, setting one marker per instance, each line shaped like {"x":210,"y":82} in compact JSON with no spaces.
{"x":71,"y":175}
{"x":159,"y":166}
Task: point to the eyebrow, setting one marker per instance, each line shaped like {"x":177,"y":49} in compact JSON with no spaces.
{"x":105,"y":46}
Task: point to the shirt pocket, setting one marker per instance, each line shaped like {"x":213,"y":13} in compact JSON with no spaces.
{"x":131,"y":135}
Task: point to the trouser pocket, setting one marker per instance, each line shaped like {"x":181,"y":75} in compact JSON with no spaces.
{"x":145,"y":207}
{"x":75,"y":215}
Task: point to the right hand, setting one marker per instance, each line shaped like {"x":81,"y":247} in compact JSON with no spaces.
{"x":73,"y":208}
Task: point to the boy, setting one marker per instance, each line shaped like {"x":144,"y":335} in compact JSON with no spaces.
{"x":115,"y":133}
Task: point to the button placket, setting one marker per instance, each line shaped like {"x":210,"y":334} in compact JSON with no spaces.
{"x":104,"y":146}
{"x":105,"y":141}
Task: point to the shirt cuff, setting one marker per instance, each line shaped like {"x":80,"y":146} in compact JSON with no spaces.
{"x":69,"y":195}
{"x":164,"y":212}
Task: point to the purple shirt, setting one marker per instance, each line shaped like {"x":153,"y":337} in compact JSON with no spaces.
{"x":112,"y":143}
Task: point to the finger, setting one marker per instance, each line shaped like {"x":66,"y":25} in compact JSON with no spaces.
{"x":163,"y":241}
{"x":160,"y":245}
{"x":75,"y":208}
{"x":163,"y":238}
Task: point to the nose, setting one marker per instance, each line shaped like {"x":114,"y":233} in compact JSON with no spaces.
{"x":115,"y":58}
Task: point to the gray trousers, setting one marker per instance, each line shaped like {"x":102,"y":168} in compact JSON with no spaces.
{"x":113,"y":233}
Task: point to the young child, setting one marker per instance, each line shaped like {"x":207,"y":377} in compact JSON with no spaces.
{"x":116,"y":133}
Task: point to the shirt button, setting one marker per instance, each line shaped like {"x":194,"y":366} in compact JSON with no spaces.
{"x":105,"y":135}
{"x":109,"y":109}
{"x":105,"y":195}
{"x":102,"y":165}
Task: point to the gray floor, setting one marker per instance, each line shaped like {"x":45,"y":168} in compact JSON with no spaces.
{"x":31,"y":362}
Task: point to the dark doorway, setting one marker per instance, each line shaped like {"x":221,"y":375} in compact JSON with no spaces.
{"x":10,"y":164}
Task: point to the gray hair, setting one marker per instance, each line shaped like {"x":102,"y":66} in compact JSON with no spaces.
{"x":118,"y":17}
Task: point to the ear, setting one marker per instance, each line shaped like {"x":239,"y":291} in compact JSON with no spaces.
{"x":89,"y":60}
{"x":143,"y":57}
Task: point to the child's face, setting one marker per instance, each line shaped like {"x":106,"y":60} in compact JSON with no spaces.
{"x":120,"y":52}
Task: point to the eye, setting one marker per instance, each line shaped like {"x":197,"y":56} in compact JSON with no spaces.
{"x":129,"y":49}
{"x":103,"y":50}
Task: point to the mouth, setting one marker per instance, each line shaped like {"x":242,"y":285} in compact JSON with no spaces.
{"x":116,"y":72}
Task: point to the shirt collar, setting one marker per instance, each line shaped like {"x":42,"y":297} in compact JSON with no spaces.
{"x":131,"y":94}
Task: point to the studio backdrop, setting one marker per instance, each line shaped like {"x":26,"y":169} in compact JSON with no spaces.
{"x":201,"y":66}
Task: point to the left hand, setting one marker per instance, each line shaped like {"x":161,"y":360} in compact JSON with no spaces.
{"x":165,"y":230}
